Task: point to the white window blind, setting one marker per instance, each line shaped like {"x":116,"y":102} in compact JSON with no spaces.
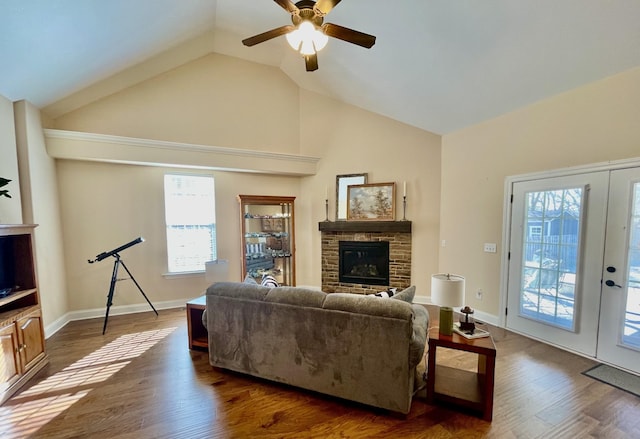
{"x":190,"y":216}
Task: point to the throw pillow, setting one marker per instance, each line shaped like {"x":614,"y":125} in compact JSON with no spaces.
{"x":386,"y":294}
{"x":250,"y":280}
{"x":269,"y":281}
{"x":406,"y":294}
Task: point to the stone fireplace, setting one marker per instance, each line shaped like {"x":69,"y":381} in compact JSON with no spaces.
{"x":382,"y":261}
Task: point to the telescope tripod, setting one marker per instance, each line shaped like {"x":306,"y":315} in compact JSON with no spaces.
{"x":112,"y":288}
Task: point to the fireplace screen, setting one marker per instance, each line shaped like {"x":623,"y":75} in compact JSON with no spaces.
{"x":364,"y":262}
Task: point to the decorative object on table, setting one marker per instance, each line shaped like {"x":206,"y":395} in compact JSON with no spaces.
{"x":372,"y":202}
{"x":447,"y":291}
{"x":476,"y":333}
{"x":467,"y":324}
{"x":4,"y":192}
{"x":342,"y":184}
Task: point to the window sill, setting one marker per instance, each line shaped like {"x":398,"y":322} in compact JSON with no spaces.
{"x":183,"y":274}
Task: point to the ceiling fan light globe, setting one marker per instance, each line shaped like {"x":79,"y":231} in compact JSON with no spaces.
{"x":307,"y":47}
{"x":294,"y":39}
{"x":320,"y":40}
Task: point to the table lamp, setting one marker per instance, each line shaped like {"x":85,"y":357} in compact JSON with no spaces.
{"x":447,"y":291}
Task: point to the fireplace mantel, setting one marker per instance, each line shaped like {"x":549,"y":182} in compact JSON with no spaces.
{"x":365,"y":226}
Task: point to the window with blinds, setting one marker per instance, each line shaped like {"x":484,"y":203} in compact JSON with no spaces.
{"x":190,"y":216}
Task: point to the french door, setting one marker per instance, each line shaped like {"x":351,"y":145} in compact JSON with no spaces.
{"x":574,"y":266}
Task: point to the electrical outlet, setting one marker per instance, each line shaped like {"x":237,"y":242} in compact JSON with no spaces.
{"x":479,"y":294}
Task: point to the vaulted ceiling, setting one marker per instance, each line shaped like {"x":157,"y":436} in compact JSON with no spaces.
{"x":439,"y":65}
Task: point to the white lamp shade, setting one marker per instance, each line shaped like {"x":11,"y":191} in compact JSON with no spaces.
{"x":447,"y":290}
{"x":217,"y":271}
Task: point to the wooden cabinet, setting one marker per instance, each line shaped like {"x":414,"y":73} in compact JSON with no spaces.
{"x":21,"y":329}
{"x":268,"y":237}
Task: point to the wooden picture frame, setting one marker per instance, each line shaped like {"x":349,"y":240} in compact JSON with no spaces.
{"x":372,"y":202}
{"x":272,"y":225}
{"x":342,"y":184}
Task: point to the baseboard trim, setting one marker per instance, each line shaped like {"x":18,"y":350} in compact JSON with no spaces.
{"x":478,"y":315}
{"x":115,"y":310}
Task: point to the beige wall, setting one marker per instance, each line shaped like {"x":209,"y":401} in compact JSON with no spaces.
{"x":40,"y":205}
{"x":105,"y":205}
{"x":351,"y":140}
{"x":595,"y":123}
{"x":216,"y":100}
{"x":10,"y":208}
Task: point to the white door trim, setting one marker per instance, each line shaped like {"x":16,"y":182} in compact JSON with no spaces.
{"x":506,"y":212}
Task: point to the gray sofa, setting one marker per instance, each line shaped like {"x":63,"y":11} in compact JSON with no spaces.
{"x":356,"y":347}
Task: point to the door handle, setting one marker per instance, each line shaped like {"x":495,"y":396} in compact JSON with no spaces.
{"x":611,"y":283}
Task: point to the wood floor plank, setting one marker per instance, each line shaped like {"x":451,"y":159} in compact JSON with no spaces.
{"x":140,"y":380}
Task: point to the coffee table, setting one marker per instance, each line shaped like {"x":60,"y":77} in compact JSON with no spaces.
{"x":472,"y":391}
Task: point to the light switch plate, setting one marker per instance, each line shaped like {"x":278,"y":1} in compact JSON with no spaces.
{"x":490,"y":247}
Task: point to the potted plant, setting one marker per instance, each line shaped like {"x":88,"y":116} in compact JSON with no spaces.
{"x":4,"y":192}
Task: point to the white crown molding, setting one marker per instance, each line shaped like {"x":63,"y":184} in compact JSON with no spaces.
{"x":75,"y":145}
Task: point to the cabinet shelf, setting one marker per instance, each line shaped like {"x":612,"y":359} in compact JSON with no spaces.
{"x":267,"y":238}
{"x":16,"y":295}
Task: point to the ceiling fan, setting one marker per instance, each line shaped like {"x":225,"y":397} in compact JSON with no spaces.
{"x":308,"y":34}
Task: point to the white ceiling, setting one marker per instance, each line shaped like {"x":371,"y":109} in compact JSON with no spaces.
{"x":439,"y":65}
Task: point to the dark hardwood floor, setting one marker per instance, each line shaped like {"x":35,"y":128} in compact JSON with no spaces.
{"x":141,"y":381}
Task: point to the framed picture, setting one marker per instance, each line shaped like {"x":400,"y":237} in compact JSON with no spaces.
{"x":272,"y":224}
{"x":374,"y":201}
{"x":342,"y":183}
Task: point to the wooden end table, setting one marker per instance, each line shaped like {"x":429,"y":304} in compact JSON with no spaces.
{"x":462,"y":388}
{"x":198,"y":338}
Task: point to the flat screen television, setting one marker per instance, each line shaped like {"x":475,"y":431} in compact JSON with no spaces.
{"x":7,"y":266}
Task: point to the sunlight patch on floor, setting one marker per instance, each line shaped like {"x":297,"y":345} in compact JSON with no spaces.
{"x":27,"y":412}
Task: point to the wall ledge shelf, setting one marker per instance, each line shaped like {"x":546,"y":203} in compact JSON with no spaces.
{"x":365,"y":226}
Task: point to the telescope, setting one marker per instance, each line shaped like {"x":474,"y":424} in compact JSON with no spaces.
{"x":114,"y":276}
{"x":115,"y":251}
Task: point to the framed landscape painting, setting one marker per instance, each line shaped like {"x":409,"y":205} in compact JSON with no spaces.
{"x":372,"y":202}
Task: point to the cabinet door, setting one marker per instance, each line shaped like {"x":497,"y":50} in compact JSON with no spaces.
{"x":31,"y":339}
{"x":9,"y":369}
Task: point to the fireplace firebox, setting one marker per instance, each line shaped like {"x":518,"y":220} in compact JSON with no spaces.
{"x":364,"y":262}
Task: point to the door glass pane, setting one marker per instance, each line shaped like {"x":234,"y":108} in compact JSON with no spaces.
{"x":631,"y":333}
{"x":550,"y":256}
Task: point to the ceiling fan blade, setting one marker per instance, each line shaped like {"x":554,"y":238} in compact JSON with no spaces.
{"x":288,"y":6}
{"x":311,"y":61}
{"x":349,"y":35}
{"x":260,"y":38}
{"x":324,"y":6}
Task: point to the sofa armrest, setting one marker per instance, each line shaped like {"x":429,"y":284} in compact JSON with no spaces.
{"x":419,"y":337}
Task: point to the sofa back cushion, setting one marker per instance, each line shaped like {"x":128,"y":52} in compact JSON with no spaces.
{"x":369,"y":305}
{"x":240,"y":290}
{"x":297,"y":296}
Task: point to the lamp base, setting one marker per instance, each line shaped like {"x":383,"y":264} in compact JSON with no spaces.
{"x":446,"y":320}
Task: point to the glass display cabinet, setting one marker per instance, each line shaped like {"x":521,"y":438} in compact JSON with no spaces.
{"x":268,"y":238}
